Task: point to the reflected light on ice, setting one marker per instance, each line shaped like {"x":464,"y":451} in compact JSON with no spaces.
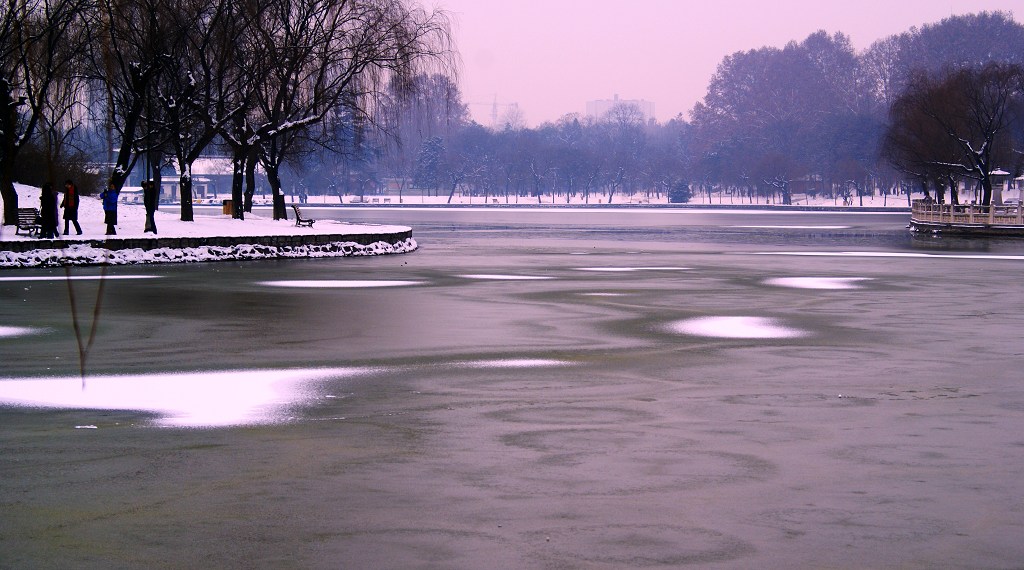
{"x":631,"y":269}
{"x":831,"y":283}
{"x":197,"y":399}
{"x":793,"y":227}
{"x":498,"y":277}
{"x":514,"y":363}
{"x":338,"y":284}
{"x":735,"y":327}
{"x":9,"y":332}
{"x":79,"y":278}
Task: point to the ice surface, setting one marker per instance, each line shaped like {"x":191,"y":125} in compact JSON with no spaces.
{"x":735,"y":327}
{"x":338,"y":284}
{"x":890,"y":254}
{"x":499,"y":277}
{"x":515,"y":363}
{"x":793,"y":227}
{"x":77,"y":278}
{"x":631,"y":269}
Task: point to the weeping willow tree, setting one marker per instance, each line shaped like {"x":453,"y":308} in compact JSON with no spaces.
{"x":315,"y":61}
{"x":38,"y":50}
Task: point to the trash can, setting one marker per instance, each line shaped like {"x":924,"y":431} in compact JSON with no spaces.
{"x":228,"y":207}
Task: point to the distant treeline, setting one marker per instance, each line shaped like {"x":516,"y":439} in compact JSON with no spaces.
{"x":814,"y":116}
{"x":360,"y":97}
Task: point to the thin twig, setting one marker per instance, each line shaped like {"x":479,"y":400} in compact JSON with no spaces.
{"x":83,"y":350}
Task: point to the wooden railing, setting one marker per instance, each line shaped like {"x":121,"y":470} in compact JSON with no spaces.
{"x":969,"y":214}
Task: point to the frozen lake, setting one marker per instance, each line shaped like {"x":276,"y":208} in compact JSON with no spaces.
{"x":531,"y":389}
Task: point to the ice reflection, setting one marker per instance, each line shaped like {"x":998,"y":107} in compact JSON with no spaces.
{"x":793,"y":227}
{"x":10,"y":332}
{"x":514,"y":363}
{"x":735,"y":327}
{"x":501,"y":277}
{"x":78,"y":278}
{"x":630,"y":269}
{"x":338,"y":284}
{"x":831,"y":283}
{"x":197,"y":399}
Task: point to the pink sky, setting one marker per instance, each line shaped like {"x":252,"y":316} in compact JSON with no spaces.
{"x":552,"y":56}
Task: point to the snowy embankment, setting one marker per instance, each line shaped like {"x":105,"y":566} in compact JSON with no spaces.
{"x":131,"y":222}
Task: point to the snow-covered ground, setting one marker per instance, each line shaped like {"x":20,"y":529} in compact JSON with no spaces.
{"x":131,"y":221}
{"x":131,"y":224}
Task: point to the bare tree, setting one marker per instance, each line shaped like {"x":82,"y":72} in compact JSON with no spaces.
{"x":312,"y":57}
{"x":126,"y":60}
{"x":959,"y":124}
{"x":36,"y":53}
{"x":198,"y":76}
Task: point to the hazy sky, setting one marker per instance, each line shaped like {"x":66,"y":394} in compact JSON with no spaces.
{"x":552,"y":56}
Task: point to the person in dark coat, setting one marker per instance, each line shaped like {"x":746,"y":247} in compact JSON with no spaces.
{"x":150,"y":197}
{"x":70,"y":205}
{"x":48,"y":212}
{"x":109,"y":197}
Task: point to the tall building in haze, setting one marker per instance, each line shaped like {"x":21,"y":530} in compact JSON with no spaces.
{"x":601,"y":107}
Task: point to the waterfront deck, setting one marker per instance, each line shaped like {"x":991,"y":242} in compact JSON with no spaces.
{"x":1006,"y":220}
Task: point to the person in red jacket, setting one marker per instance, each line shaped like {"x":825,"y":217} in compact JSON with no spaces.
{"x":70,"y":205}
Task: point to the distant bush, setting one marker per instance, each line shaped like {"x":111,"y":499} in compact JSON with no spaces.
{"x":680,"y":193}
{"x":34,"y":168}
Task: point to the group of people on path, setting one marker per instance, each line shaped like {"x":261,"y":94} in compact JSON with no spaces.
{"x":48,"y":210}
{"x":48,"y":215}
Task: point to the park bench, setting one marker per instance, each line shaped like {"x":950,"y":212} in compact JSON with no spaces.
{"x":28,"y":220}
{"x":299,"y":220}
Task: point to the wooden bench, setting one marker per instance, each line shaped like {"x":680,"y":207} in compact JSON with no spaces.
{"x":299,"y":220}
{"x":28,"y":220}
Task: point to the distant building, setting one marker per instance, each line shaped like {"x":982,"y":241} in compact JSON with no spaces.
{"x":601,"y":107}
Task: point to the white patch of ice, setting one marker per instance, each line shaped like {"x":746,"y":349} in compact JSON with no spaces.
{"x":338,"y":284}
{"x":10,"y":332}
{"x":498,"y":277}
{"x":832,"y":283}
{"x":631,"y":269}
{"x":735,"y":327}
{"x":515,"y":363}
{"x":197,"y":399}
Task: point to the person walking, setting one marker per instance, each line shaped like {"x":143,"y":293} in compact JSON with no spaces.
{"x":48,"y":212}
{"x":70,"y":205}
{"x":109,"y":197}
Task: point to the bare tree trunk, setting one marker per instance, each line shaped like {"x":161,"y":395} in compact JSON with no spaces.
{"x":237,"y":173}
{"x":250,"y":178}
{"x":274,"y":178}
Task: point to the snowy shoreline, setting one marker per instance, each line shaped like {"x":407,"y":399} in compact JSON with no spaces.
{"x":216,"y":238}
